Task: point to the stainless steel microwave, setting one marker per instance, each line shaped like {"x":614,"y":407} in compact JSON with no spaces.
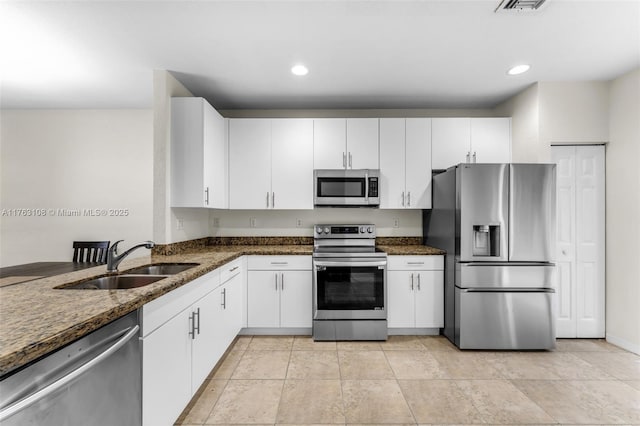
{"x":346,"y":188}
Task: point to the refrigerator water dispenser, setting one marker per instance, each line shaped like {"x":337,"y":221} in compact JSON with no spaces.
{"x":486,"y":240}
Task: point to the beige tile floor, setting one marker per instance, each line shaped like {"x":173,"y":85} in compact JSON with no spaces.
{"x":416,"y":380}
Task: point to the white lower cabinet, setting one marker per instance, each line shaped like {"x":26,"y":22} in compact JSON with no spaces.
{"x":415,"y":292}
{"x":184,"y":334}
{"x":279,"y":292}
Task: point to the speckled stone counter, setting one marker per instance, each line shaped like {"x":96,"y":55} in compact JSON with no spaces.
{"x":36,"y":318}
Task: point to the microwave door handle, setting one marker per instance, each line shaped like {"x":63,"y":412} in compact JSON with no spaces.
{"x":366,"y":186}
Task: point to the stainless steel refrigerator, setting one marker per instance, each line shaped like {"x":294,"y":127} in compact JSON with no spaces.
{"x":497,"y":224}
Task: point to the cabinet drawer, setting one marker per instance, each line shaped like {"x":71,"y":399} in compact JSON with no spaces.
{"x":162,"y":309}
{"x":279,"y":263}
{"x":230,"y":270}
{"x":415,"y":263}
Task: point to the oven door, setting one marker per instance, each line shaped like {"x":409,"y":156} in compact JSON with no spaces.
{"x":347,"y":288}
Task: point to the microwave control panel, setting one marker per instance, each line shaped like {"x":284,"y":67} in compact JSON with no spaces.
{"x":373,"y":187}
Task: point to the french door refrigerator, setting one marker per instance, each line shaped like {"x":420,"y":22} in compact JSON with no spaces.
{"x":497,"y":224}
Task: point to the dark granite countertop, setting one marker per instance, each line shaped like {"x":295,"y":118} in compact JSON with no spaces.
{"x":36,"y":318}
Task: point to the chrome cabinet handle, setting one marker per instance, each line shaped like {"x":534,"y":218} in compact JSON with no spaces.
{"x":282,"y":281}
{"x":411,"y":282}
{"x":276,"y":277}
{"x":415,"y":263}
{"x":418,"y":282}
{"x":273,"y":200}
{"x":279,"y":263}
{"x":409,"y":199}
{"x":233,"y":269}
{"x":350,"y":165}
{"x":267,"y":199}
{"x":344,"y":160}
{"x":206,"y":196}
{"x":468,"y":156}
{"x":402,"y":198}
{"x":53,"y":387}
{"x":197,"y":313}
{"x":224,"y":298}
{"x":474,"y":157}
{"x":192,"y":332}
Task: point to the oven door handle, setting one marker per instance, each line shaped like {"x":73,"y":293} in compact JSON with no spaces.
{"x":329,"y":263}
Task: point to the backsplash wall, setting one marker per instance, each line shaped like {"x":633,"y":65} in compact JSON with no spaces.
{"x":230,"y":223}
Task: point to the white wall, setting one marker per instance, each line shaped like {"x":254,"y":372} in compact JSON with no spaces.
{"x":284,"y":222}
{"x":73,"y":160}
{"x":623,"y":213}
{"x":525,"y":132}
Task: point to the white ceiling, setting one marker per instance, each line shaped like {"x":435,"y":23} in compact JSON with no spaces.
{"x":361,"y":54}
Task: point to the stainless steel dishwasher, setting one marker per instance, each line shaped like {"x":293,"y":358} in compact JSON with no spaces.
{"x":95,"y":380}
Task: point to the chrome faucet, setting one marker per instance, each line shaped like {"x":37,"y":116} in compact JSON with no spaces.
{"x":113,"y":259}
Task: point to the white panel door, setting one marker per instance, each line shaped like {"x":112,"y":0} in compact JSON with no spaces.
{"x":580,"y":240}
{"x":263,"y":299}
{"x":417,"y":163}
{"x":564,"y":157}
{"x":590,"y":242}
{"x":429,"y":304}
{"x":451,"y":141}
{"x":362,"y":143}
{"x":330,"y":143}
{"x":249,"y":163}
{"x":296,"y":298}
{"x":392,"y":163}
{"x":401,"y":299}
{"x":491,"y":140}
{"x":292,"y":164}
{"x":215,"y":159}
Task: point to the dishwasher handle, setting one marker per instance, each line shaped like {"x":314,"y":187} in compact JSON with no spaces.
{"x":51,"y":388}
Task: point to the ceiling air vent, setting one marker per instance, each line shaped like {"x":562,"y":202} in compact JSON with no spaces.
{"x":519,"y":5}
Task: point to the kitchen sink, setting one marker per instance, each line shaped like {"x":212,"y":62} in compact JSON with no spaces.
{"x":161,"y":269}
{"x":114,"y":282}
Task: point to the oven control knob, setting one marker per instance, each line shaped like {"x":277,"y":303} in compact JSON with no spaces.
{"x":326,"y":230}
{"x":319,"y":230}
{"x":362,"y":229}
{"x":369,"y":230}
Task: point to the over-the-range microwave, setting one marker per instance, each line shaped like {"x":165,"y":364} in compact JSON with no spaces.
{"x":346,"y":188}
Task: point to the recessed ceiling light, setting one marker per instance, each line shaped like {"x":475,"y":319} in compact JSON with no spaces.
{"x":518,"y":69}
{"x":299,"y":70}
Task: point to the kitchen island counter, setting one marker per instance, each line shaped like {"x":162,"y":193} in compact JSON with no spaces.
{"x":36,"y":318}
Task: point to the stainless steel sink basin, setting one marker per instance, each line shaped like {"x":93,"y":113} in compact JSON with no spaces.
{"x":114,"y":282}
{"x":161,"y":269}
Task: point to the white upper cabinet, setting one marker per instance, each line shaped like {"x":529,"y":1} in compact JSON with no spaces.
{"x":292,"y":164}
{"x":405,"y":163}
{"x":470,"y":140}
{"x":340,"y":143}
{"x":271,"y":164}
{"x":330,"y":143}
{"x":198,"y":155}
{"x":362,"y":143}
{"x":491,"y":140}
{"x":249,"y":163}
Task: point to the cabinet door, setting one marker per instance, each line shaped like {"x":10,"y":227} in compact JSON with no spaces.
{"x":292,"y":164}
{"x":418,"y":163}
{"x":491,"y":140}
{"x":392,"y":163}
{"x":296,"y":299}
{"x":263,"y":299}
{"x":429,"y":302}
{"x":249,"y":163}
{"x":166,"y":371}
{"x":362,"y":143}
{"x":451,"y":141}
{"x":215,"y":158}
{"x":400,"y":297}
{"x":231,"y":310}
{"x":207,"y":346}
{"x":329,"y":143}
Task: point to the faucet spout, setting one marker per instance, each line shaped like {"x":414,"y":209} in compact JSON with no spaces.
{"x":113,"y":259}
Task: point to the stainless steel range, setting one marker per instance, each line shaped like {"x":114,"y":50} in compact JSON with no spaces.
{"x":349,"y":284}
